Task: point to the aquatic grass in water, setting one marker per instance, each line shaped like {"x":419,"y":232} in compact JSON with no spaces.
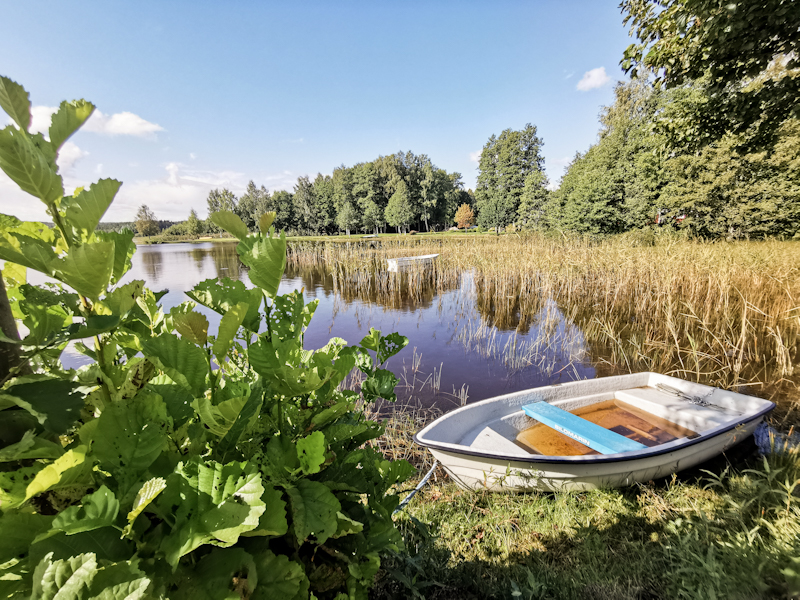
{"x":724,"y":314}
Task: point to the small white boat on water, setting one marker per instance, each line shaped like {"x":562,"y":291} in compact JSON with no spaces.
{"x":597,"y":433}
{"x":396,"y":264}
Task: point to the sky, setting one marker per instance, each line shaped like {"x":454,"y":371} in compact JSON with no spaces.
{"x":193,"y":96}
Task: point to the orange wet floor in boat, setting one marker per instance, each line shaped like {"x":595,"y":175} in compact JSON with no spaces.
{"x":615,"y":415}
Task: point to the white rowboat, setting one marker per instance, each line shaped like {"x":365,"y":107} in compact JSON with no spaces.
{"x":671,"y":424}
{"x":406,"y":261}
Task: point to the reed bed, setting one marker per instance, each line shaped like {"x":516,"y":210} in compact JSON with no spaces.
{"x":726,"y":314}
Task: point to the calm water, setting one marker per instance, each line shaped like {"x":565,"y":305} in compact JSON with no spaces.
{"x":453,"y":351}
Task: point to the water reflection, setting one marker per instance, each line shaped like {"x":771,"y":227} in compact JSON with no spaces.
{"x":466,"y":342}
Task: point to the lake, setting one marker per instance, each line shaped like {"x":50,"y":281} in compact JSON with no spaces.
{"x":456,"y":353}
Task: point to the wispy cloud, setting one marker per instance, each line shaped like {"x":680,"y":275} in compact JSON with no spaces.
{"x":475,"y":156}
{"x":124,"y":123}
{"x":568,"y":75}
{"x":68,"y":156}
{"x":596,"y":78}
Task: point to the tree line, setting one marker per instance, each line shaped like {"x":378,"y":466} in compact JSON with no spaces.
{"x":402,"y":191}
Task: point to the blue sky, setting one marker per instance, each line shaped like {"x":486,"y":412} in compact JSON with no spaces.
{"x":198,"y":95}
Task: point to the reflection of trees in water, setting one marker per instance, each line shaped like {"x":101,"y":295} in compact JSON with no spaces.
{"x":226,"y":260}
{"x":507,"y":309}
{"x":413,"y":288}
{"x":199,"y":256}
{"x":152,"y":263}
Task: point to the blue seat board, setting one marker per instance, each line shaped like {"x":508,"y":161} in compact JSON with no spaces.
{"x":587,"y":433}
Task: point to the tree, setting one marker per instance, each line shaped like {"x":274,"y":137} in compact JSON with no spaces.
{"x":733,"y":48}
{"x":348,"y":218}
{"x":533,"y":202}
{"x":252,"y":205}
{"x":146,"y":223}
{"x":614,"y":186}
{"x":464,"y":216}
{"x":219,"y":200}
{"x":398,"y":211}
{"x":194,"y":226}
{"x":505,"y":163}
{"x":309,"y":216}
{"x":282,"y":203}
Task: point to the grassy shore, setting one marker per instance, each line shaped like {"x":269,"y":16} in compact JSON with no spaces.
{"x":721,"y":532}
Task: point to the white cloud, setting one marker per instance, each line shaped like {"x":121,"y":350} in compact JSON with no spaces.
{"x":98,"y":170}
{"x":192,"y":155}
{"x":124,"y":123}
{"x":40,"y":118}
{"x":596,"y":78}
{"x":69,"y":155}
{"x":475,"y":156}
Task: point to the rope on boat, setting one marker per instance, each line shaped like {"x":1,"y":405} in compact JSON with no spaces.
{"x":422,"y":483}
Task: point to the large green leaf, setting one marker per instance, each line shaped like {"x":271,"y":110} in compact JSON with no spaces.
{"x":243,"y":420}
{"x":228,"y":574}
{"x":210,"y":503}
{"x":84,"y":210}
{"x":104,"y":542}
{"x":192,"y":325}
{"x":54,"y":402}
{"x":290,"y":315}
{"x":228,"y":326}
{"x":311,"y":452}
{"x":120,"y":300}
{"x":19,"y":530}
{"x":96,"y":510}
{"x":28,"y":251}
{"x":379,"y":384}
{"x":16,"y":102}
{"x":87,"y":269}
{"x":219,"y":418}
{"x":279,"y":578}
{"x":120,"y":581}
{"x":130,"y":436}
{"x":46,"y":324}
{"x":222,"y":295}
{"x":265,"y":221}
{"x":273,"y":521}
{"x":124,"y":249}
{"x":314,"y":510}
{"x":67,"y":120}
{"x":177,"y":398}
{"x":72,"y":468}
{"x":184,"y":362}
{"x":29,"y":167}
{"x":265,"y":255}
{"x":146,"y":494}
{"x":67,"y":579}
{"x":231,"y":223}
{"x":13,"y":484}
{"x":30,"y":447}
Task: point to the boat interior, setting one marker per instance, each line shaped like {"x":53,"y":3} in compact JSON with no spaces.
{"x":649,"y":415}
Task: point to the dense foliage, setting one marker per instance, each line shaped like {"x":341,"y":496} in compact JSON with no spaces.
{"x":177,"y":464}
{"x":731,"y":49}
{"x":626,"y":181}
{"x":402,"y":191}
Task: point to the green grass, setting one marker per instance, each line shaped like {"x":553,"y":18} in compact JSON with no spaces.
{"x":729,"y":535}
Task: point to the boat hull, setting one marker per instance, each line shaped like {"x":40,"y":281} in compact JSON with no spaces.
{"x":477,"y":444}
{"x":502,"y":475}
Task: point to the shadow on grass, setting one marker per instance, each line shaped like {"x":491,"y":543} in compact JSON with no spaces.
{"x":720,"y":535}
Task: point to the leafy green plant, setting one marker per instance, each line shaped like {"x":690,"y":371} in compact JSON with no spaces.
{"x":178,"y":463}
